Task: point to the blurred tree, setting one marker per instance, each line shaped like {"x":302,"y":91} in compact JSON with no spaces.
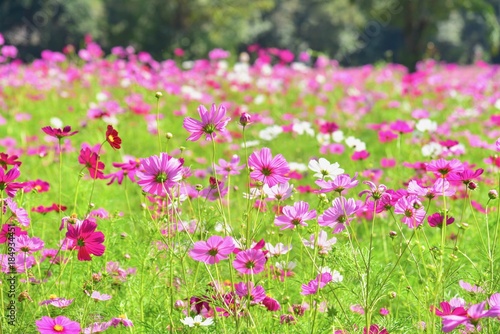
{"x":37,"y":25}
{"x":197,"y":26}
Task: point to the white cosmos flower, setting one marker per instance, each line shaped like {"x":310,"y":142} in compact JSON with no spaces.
{"x":426,"y":124}
{"x":324,"y":169}
{"x":270,"y":133}
{"x":432,"y":150}
{"x":197,"y":321}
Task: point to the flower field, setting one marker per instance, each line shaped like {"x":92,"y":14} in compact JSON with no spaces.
{"x":264,"y":194}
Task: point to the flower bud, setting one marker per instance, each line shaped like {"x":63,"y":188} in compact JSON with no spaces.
{"x":393,"y":234}
{"x":169,"y":135}
{"x":158,"y":95}
{"x":472,"y":185}
{"x":493,"y":194}
{"x":245,"y":118}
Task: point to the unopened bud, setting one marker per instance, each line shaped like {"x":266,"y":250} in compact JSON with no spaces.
{"x":393,"y":234}
{"x":198,"y":187}
{"x":493,"y":194}
{"x":472,"y":185}
{"x":245,"y":118}
{"x":158,"y":95}
{"x":168,"y":135}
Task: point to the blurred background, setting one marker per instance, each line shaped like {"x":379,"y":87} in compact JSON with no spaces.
{"x":355,"y":32}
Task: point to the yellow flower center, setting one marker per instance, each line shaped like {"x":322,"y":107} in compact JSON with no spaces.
{"x":58,"y":328}
{"x":111,"y":138}
{"x":52,"y":296}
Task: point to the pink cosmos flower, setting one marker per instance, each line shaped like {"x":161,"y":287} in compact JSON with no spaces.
{"x":232,"y":167}
{"x":85,"y":239}
{"x":58,"y":133}
{"x":323,"y":244}
{"x":375,"y":192}
{"x":213,"y":250}
{"x":474,"y":314}
{"x":436,"y":220}
{"x":18,"y":214}
{"x":122,"y":319}
{"x":271,"y":304}
{"x":339,"y":184}
{"x":211,"y":121}
{"x":412,"y":209}
{"x":314,"y":285}
{"x":97,"y":296}
{"x":56,"y":302}
{"x":279,"y":192}
{"x":96,"y":327}
{"x":7,"y":229}
{"x":215,"y":190}
{"x":469,"y":287}
{"x":401,"y":127}
{"x":267,"y":169}
{"x":386,"y":136}
{"x":6,"y":181}
{"x":375,"y":329}
{"x":160,"y":174}
{"x":91,"y":160}
{"x":256,"y":294}
{"x":28,"y":245}
{"x":440,"y":188}
{"x":22,"y":263}
{"x":250,"y":261}
{"x":444,"y":168}
{"x":60,"y":324}
{"x":337,"y":216}
{"x":6,"y":160}
{"x":295,"y":215}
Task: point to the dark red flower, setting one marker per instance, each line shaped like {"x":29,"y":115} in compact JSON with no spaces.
{"x":58,"y":133}
{"x":5,"y":160}
{"x":112,"y":137}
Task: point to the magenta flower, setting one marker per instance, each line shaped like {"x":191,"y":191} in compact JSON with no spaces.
{"x":6,"y":181}
{"x":215,"y":190}
{"x":339,"y":184}
{"x":6,"y":160}
{"x":160,"y":174}
{"x":256,"y":294}
{"x":7,"y":229}
{"x":85,"y":239}
{"x":91,"y":160}
{"x":401,"y":127}
{"x":375,"y":192}
{"x":436,"y":220}
{"x":337,"y":216}
{"x":250,"y":261}
{"x":295,"y":215}
{"x":60,"y":324}
{"x":271,"y":304}
{"x":267,"y":169}
{"x":213,"y":250}
{"x":211,"y":121}
{"x":412,"y":209}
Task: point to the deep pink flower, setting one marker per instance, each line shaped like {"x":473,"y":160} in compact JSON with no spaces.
{"x":60,"y":324}
{"x":213,"y":250}
{"x":6,"y":181}
{"x":160,"y":174}
{"x":337,"y":216}
{"x":58,"y":133}
{"x":386,"y":136}
{"x":466,"y":176}
{"x":271,"y":304}
{"x":360,"y":155}
{"x":250,"y":261}
{"x":267,"y":169}
{"x":215,"y":190}
{"x":91,"y":160}
{"x":375,"y":329}
{"x":112,"y":137}
{"x":7,"y":229}
{"x":401,"y":127}
{"x":375,"y":192}
{"x":211,"y":122}
{"x":436,"y":220}
{"x":295,"y":215}
{"x":412,"y":209}
{"x":448,"y":309}
{"x":85,"y":239}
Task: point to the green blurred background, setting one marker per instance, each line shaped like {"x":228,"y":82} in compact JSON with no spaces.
{"x":354,"y":32}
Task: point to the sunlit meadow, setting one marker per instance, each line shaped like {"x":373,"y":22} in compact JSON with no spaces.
{"x":265,"y":194}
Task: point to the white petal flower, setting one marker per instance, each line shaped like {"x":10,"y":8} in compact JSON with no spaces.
{"x":324,"y":169}
{"x":197,"y":321}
